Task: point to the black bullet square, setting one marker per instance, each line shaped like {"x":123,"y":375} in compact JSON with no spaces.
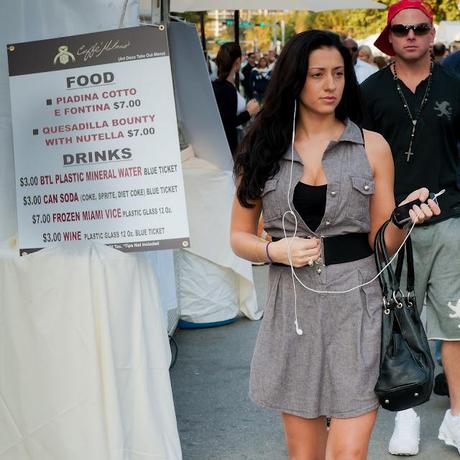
{"x":35,"y":132}
{"x":49,"y":102}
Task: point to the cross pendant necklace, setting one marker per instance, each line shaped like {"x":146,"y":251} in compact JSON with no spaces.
{"x":415,"y":119}
{"x":409,"y":153}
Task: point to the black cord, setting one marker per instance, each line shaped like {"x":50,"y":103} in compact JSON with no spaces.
{"x":173,"y":353}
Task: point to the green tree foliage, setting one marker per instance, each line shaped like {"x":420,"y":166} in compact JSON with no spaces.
{"x":261,"y":37}
{"x":362,"y":23}
{"x":444,"y":10}
{"x":192,"y":16}
{"x":356,"y":23}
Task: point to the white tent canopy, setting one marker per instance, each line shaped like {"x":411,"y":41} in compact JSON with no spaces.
{"x":369,"y":41}
{"x":310,"y":5}
{"x":448,"y":32}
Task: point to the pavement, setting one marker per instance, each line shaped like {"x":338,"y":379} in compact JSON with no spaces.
{"x":216,"y":419}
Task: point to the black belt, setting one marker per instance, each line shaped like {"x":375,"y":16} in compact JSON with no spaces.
{"x":343,"y":248}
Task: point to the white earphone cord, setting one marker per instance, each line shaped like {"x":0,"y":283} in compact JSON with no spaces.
{"x":293,"y":273}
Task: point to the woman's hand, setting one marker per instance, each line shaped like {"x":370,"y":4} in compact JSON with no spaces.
{"x":304,"y":251}
{"x":426,"y":210}
{"x":253,"y":107}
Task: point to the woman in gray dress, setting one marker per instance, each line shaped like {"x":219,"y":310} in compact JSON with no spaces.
{"x":325,"y":187}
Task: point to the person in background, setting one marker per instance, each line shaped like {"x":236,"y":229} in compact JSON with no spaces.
{"x":380,"y":62}
{"x":233,"y":109}
{"x":259,"y":79}
{"x":272,"y":57}
{"x":415,"y":105}
{"x":441,"y":387}
{"x":365,"y":55}
{"x":362,"y":69}
{"x":212,"y":67}
{"x":439,"y":52}
{"x":452,"y":62}
{"x":321,"y":182}
{"x":251,"y":63}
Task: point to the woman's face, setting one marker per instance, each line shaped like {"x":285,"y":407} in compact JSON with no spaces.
{"x":325,"y":81}
{"x":364,"y":56}
{"x":263,"y":63}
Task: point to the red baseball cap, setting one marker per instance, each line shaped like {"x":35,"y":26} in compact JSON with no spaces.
{"x":383,"y":43}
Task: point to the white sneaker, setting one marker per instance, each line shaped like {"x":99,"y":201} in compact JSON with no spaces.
{"x":449,"y":431}
{"x":406,"y":434}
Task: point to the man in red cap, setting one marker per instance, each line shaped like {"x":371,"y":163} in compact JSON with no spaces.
{"x":415,"y":104}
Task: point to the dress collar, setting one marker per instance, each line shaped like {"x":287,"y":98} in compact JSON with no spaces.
{"x":352,"y":133}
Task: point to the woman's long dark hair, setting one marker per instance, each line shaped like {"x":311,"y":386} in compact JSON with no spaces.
{"x":227,"y":55}
{"x":269,"y":137}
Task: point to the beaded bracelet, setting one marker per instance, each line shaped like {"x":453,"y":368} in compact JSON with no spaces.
{"x":266,"y":252}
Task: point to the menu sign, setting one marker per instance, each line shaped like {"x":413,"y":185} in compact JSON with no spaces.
{"x":96,"y":147}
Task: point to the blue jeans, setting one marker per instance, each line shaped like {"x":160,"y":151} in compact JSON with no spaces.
{"x":437,"y":351}
{"x":458,"y":168}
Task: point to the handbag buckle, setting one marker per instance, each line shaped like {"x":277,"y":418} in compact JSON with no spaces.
{"x":386,"y":306}
{"x":398,"y":302}
{"x":410,"y":295}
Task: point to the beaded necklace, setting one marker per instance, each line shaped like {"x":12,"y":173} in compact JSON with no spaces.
{"x":415,"y":119}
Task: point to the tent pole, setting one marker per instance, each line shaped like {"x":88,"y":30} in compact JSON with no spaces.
{"x":237,"y":26}
{"x":164,"y":10}
{"x":236,"y":23}
{"x":203,"y":32}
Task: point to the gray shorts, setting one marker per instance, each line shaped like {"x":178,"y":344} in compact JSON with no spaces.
{"x":437,"y":275}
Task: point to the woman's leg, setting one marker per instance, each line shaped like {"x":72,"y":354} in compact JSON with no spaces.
{"x":349,"y":437}
{"x":305,"y":438}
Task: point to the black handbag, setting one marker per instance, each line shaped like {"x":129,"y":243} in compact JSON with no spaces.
{"x":406,"y":365}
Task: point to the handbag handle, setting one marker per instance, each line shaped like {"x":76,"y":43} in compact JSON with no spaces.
{"x":396,"y":277}
{"x":410,"y":265}
{"x":387,"y":278}
{"x":380,"y":262}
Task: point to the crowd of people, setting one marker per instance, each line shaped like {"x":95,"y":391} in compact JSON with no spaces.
{"x":239,"y":88}
{"x":254,"y":72}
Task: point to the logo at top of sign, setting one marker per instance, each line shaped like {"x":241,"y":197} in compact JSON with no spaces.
{"x":64,"y":55}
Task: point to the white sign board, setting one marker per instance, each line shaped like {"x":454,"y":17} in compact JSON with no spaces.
{"x":95,"y":141}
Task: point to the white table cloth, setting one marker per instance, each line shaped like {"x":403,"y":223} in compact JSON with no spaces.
{"x":84,"y":358}
{"x":214,"y":283}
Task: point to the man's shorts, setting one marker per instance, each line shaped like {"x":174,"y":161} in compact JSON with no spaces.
{"x":437,"y":274}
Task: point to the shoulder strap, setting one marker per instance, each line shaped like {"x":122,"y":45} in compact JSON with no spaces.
{"x":410,"y":265}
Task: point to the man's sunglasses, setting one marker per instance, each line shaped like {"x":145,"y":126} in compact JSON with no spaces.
{"x":401,"y":30}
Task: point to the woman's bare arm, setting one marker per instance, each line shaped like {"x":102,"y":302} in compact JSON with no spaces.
{"x":243,"y":232}
{"x":382,"y":202}
{"x":246,"y":244}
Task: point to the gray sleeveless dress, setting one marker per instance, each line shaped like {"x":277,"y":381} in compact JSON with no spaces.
{"x":331,"y":369}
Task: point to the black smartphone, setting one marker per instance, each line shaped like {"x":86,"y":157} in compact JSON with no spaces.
{"x":401,"y":213}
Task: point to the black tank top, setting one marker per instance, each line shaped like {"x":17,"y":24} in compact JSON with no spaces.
{"x":310,"y":203}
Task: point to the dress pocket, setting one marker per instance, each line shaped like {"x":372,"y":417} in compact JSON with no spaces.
{"x":371,"y":323}
{"x":362,"y":187}
{"x":270,"y":203}
{"x":371,"y":293}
